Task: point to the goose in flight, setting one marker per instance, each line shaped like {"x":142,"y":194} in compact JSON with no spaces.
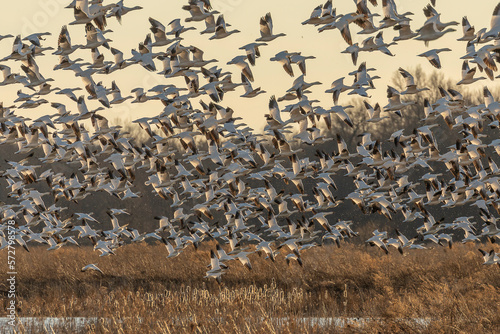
{"x":374,"y":113}
{"x":433,"y":57}
{"x":315,"y":17}
{"x":411,"y":87}
{"x":405,"y":32}
{"x":433,"y":16}
{"x":395,"y":104}
{"x":353,"y":50}
{"x":249,"y":91}
{"x":336,"y":88}
{"x":176,"y":28}
{"x":120,"y":9}
{"x":95,"y":37}
{"x":494,"y":26}
{"x":322,"y":14}
{"x":240,"y":62}
{"x":468,"y":74}
{"x":391,"y":15}
{"x":376,"y":44}
{"x":300,"y":61}
{"x":266,"y":29}
{"x":83,"y":13}
{"x":379,"y":240}
{"x":340,"y":112}
{"x":216,"y":267}
{"x":283,"y":57}
{"x":117,"y":97}
{"x":199,"y":10}
{"x":468,"y":30}
{"x":159,"y":33}
{"x":342,"y":24}
{"x":92,"y":267}
{"x":490,"y":257}
{"x":31,"y":69}
{"x":430,"y":32}
{"x":221,"y":29}
{"x":172,"y":252}
{"x":36,"y":38}
{"x":294,"y":256}
{"x":252,"y":51}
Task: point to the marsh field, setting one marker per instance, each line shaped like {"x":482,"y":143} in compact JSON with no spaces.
{"x":439,"y":290}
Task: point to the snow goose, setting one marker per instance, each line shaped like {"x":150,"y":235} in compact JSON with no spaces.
{"x":266,"y":29}
{"x":301,"y":61}
{"x":96,"y":12}
{"x":432,"y":56}
{"x":199,"y":10}
{"x":294,"y":256}
{"x":116,"y":94}
{"x":243,"y":258}
{"x":430,"y":32}
{"x":469,"y":31}
{"x":36,"y":38}
{"x":433,"y":16}
{"x":172,"y":252}
{"x":342,"y":24}
{"x":240,"y":62}
{"x":395,"y":104}
{"x":120,"y":9}
{"x":376,"y":44}
{"x":252,"y":51}
{"x":198,"y":60}
{"x":494,"y":26}
{"x":391,"y":15}
{"x":468,"y":74}
{"x":159,"y":34}
{"x":176,"y":28}
{"x":144,"y":59}
{"x":69,"y":92}
{"x":365,"y":22}
{"x":484,"y":59}
{"x":411,"y":87}
{"x":92,"y":267}
{"x":265,"y":246}
{"x":283,"y":57}
{"x":374,"y":113}
{"x":379,"y":241}
{"x":315,"y":17}
{"x":221,"y":29}
{"x":340,"y":112}
{"x":490,"y":257}
{"x":338,"y":87}
{"x":407,"y":243}
{"x":353,"y":50}
{"x":405,"y":32}
{"x":216,"y":267}
{"x":31,"y":69}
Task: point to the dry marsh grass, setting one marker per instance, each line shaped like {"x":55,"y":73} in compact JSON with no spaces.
{"x":143,"y":292}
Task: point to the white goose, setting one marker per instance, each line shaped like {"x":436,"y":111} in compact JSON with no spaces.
{"x":411,"y":87}
{"x":432,"y":56}
{"x":468,"y":74}
{"x":221,"y":29}
{"x":92,"y":267}
{"x":395,"y":104}
{"x":266,"y":29}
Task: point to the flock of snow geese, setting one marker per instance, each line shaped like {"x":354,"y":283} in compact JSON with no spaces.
{"x":221,"y":155}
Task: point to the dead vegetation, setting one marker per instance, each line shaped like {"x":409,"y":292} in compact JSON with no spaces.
{"x":432,"y":291}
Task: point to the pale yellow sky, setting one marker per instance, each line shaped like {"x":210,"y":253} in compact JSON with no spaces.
{"x":49,"y":15}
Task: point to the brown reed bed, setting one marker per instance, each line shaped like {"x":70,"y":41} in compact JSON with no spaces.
{"x":438,"y":290}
